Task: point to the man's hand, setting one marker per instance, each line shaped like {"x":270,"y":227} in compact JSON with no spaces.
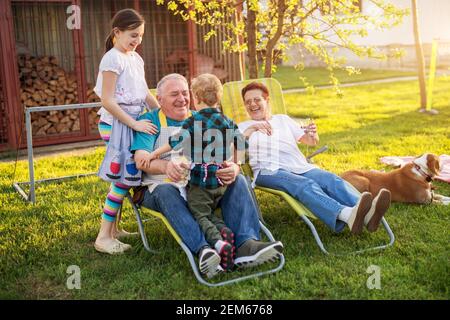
{"x":228,"y":173}
{"x":176,"y":171}
{"x":146,"y":158}
{"x":142,"y":159}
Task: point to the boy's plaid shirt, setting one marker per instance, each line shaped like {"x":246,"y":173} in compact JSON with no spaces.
{"x":216,"y":142}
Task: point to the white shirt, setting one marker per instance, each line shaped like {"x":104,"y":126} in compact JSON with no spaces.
{"x":131,"y":87}
{"x":279,"y":150}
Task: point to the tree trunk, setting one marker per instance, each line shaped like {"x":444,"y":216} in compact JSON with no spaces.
{"x":251,"y":44}
{"x":420,"y":57}
{"x":281,"y":9}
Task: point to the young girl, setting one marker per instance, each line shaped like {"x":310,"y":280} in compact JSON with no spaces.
{"x":124,"y":93}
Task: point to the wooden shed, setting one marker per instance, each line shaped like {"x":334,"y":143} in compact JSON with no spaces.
{"x":46,"y":61}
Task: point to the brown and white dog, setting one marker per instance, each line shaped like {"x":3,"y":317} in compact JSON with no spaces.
{"x":410,"y":183}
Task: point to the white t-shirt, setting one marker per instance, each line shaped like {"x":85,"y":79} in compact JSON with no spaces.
{"x":131,"y":87}
{"x":279,"y":150}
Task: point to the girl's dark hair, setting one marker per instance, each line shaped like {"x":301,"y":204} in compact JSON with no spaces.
{"x":126,"y":19}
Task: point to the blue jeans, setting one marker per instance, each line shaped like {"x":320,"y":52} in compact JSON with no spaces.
{"x":322,"y":192}
{"x":238,"y":211}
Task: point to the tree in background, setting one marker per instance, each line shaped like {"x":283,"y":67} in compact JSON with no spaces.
{"x":270,"y":27}
{"x":420,"y":57}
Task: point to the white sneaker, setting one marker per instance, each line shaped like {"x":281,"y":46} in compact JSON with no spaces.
{"x":356,"y":220}
{"x":214,"y":272}
{"x":208,"y":262}
{"x":380,"y":204}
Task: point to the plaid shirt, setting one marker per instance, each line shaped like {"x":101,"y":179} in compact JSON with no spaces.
{"x":216,"y":133}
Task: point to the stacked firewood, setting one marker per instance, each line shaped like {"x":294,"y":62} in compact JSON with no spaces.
{"x":44,"y":83}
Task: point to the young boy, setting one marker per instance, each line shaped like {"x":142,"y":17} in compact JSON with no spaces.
{"x":216,"y":138}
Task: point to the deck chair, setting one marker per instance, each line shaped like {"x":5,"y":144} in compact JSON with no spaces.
{"x":140,"y":222}
{"x":233,"y":107}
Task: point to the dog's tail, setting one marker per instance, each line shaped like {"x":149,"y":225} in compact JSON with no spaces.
{"x":357,"y":179}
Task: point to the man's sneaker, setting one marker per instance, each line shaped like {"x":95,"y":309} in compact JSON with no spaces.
{"x":208,"y":262}
{"x":253,"y":253}
{"x":380,"y":204}
{"x":356,"y":220}
{"x":228,"y":236}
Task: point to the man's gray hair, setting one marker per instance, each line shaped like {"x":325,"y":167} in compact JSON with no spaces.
{"x":171,"y":76}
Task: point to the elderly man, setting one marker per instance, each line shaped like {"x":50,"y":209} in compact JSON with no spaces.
{"x":238,"y":209}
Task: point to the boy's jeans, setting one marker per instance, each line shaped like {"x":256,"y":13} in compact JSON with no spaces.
{"x":238,"y":210}
{"x":322,"y":192}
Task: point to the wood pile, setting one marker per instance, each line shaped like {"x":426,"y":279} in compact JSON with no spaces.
{"x":44,"y":83}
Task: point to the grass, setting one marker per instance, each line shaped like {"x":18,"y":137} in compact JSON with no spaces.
{"x":38,"y":243}
{"x":290,"y":78}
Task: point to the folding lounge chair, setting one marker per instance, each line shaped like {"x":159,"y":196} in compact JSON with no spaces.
{"x":194,"y":265}
{"x":233,"y":107}
{"x":189,"y":254}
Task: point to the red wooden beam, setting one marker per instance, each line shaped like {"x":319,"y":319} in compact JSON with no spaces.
{"x":137,"y":7}
{"x":43,"y":1}
{"x":192,"y":49}
{"x":77,"y":36}
{"x":10,"y":76}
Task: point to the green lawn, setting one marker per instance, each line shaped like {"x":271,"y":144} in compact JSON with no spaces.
{"x":38,"y":243}
{"x":290,"y":78}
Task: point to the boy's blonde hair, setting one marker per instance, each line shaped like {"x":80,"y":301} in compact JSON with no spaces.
{"x":207,"y":88}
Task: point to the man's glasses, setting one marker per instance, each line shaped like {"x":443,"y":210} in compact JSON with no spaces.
{"x":255,"y":100}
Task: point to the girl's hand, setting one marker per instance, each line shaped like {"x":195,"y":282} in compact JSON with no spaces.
{"x":145,"y":126}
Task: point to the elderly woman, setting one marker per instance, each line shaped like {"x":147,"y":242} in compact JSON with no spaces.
{"x":278,"y":163}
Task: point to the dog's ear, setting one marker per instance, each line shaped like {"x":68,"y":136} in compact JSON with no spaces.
{"x":433,"y":164}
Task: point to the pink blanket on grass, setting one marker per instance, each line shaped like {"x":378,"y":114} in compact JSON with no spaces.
{"x":444,"y":161}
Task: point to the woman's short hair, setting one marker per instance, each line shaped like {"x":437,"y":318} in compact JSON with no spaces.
{"x":255,"y":86}
{"x":207,"y":88}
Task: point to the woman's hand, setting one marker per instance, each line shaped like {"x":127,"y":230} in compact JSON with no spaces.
{"x":264,"y":126}
{"x":145,"y":126}
{"x":311,"y":129}
{"x":228,"y":173}
{"x":310,"y":138}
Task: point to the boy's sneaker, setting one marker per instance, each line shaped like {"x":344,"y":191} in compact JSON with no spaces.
{"x":226,"y":256}
{"x":228,"y":236}
{"x":208,"y":262}
{"x":253,"y":253}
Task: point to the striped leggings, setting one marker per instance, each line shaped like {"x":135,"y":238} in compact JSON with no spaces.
{"x":117,"y":191}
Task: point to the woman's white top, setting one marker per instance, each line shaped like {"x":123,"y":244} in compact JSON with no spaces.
{"x":279,"y":150}
{"x":131,"y":87}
